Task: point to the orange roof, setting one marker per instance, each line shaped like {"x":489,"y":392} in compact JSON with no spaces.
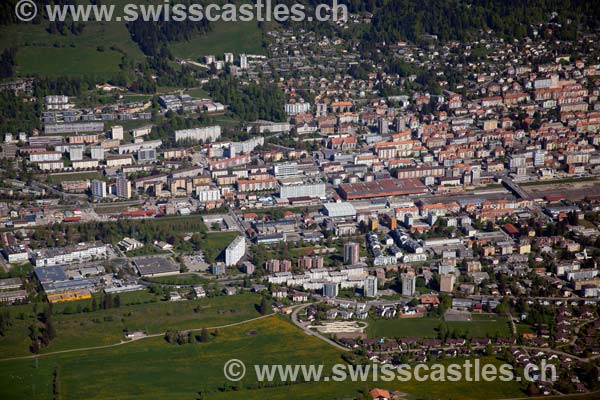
{"x":428,"y":299}
{"x":342,"y":104}
{"x":380,"y":394}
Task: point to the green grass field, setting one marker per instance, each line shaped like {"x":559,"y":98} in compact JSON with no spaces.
{"x":482,"y":326}
{"x":183,"y":279}
{"x":559,"y":181}
{"x":98,"y":50}
{"x":427,"y":327}
{"x":75,"y":176}
{"x":40,"y":52}
{"x":220,"y":240}
{"x":154,"y":369}
{"x":106,"y":326}
{"x":235,"y":37}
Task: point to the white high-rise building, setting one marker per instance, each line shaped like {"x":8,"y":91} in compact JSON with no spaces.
{"x":98,"y":188}
{"x":409,"y":284}
{"x":330,"y":289}
{"x":303,"y":190}
{"x":206,"y":134}
{"x":297,"y":108}
{"x":370,"y":286}
{"x":116,"y":132}
{"x":235,"y":251}
{"x":123,"y":187}
{"x":539,"y":158}
{"x":76,"y":153}
{"x":285,"y":169}
{"x":243,"y":61}
{"x":97,"y":153}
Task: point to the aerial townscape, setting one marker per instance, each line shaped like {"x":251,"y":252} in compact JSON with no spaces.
{"x":417,"y":183}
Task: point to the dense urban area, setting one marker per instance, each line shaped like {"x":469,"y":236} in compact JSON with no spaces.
{"x":367,"y":191}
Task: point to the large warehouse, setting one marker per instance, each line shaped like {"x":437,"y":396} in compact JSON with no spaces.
{"x":156,"y":266}
{"x":339,"y":210}
{"x":381,"y":188}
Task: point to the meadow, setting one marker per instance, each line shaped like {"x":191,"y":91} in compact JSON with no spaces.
{"x":182,"y":279}
{"x":98,"y":50}
{"x":102,"y":327}
{"x":154,"y":369}
{"x":234,"y":37}
{"x":427,"y":327}
{"x":73,"y":176}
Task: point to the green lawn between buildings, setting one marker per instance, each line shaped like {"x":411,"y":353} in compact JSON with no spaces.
{"x":153,"y":369}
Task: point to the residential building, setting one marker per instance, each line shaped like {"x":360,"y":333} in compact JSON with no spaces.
{"x":98,"y":188}
{"x":235,"y":251}
{"x":123,"y":187}
{"x":370,"y":286}
{"x":351,"y":253}
{"x":447,"y":283}
{"x":409,"y":281}
{"x":330,"y":289}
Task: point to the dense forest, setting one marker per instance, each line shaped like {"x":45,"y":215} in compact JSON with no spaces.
{"x":250,"y":102}
{"x":7,"y":63}
{"x":17,"y":115}
{"x":152,"y":36}
{"x":456,"y":20}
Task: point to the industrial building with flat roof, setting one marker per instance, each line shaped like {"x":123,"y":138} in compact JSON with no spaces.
{"x":381,"y":188}
{"x":72,"y":254}
{"x":339,"y":210}
{"x":156,"y":266}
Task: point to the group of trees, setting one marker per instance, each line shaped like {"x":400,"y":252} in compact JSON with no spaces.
{"x":186,"y":337}
{"x":5,"y":321}
{"x":249,"y":102}
{"x":107,"y":301}
{"x":17,"y":115}
{"x":42,"y":332}
{"x":170,"y":74}
{"x":7,"y":63}
{"x":68,"y":86}
{"x":264,"y":307}
{"x":145,"y":230}
{"x":65,"y":27}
